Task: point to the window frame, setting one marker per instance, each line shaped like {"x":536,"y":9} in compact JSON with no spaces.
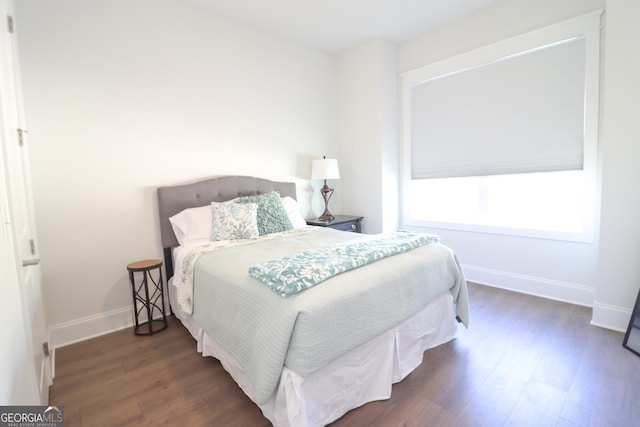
{"x":586,"y":27}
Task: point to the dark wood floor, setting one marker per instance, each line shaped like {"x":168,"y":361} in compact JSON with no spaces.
{"x":524,"y":361}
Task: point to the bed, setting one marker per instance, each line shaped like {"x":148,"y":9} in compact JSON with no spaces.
{"x":307,"y":358}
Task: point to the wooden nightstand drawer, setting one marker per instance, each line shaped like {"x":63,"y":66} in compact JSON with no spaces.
{"x":340,"y":222}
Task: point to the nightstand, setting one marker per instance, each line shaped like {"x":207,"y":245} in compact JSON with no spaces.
{"x":340,"y":222}
{"x":148,"y":296}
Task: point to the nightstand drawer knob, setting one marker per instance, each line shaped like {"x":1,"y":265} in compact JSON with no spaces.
{"x":353,"y":226}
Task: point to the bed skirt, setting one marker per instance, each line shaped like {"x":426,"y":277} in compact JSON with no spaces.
{"x":365,"y":374}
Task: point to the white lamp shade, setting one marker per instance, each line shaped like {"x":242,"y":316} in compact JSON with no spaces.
{"x":325,"y":169}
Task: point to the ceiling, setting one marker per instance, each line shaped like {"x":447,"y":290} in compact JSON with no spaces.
{"x":337,"y":25}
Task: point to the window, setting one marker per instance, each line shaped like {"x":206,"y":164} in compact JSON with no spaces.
{"x":504,"y":139}
{"x":546,"y":201}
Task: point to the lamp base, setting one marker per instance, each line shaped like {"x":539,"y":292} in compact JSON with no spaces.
{"x":326,"y":216}
{"x":326,"y":195}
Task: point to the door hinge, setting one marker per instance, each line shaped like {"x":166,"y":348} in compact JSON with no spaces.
{"x":32,"y":245}
{"x":45,"y":349}
{"x":10,"y":23}
{"x":21,"y":133}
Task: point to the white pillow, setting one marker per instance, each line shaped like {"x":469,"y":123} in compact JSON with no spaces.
{"x":234,"y":221}
{"x":293,"y":211}
{"x":192,"y":224}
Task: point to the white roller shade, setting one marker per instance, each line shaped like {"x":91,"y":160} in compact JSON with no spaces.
{"x":524,"y":113}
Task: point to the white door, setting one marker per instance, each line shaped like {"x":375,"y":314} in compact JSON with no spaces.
{"x":22,"y":218}
{"x":18,"y":383}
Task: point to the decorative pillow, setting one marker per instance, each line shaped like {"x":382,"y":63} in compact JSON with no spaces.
{"x":192,"y":224}
{"x":293,"y":212}
{"x":234,"y":221}
{"x":272,"y":217}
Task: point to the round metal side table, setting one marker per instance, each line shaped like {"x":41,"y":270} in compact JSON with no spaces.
{"x":148,"y":296}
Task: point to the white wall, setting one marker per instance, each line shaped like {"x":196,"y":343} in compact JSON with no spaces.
{"x":619,"y":277}
{"x":603,"y":274}
{"x":368,"y":127}
{"x":124,"y":96}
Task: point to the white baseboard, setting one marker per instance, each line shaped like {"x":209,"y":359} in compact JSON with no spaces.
{"x":74,"y":331}
{"x":604,"y":316}
{"x":610,"y":317}
{"x":552,"y":289}
{"x":67,"y":333}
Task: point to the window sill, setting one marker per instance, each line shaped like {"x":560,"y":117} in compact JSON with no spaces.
{"x":584,"y":237}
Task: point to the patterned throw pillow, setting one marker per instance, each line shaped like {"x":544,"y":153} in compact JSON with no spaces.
{"x":234,"y":221}
{"x":272,"y":216}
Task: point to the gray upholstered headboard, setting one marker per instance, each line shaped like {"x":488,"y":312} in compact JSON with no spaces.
{"x":174,"y":199}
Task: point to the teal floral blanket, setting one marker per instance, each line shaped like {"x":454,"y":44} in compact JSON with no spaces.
{"x":292,"y":274}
